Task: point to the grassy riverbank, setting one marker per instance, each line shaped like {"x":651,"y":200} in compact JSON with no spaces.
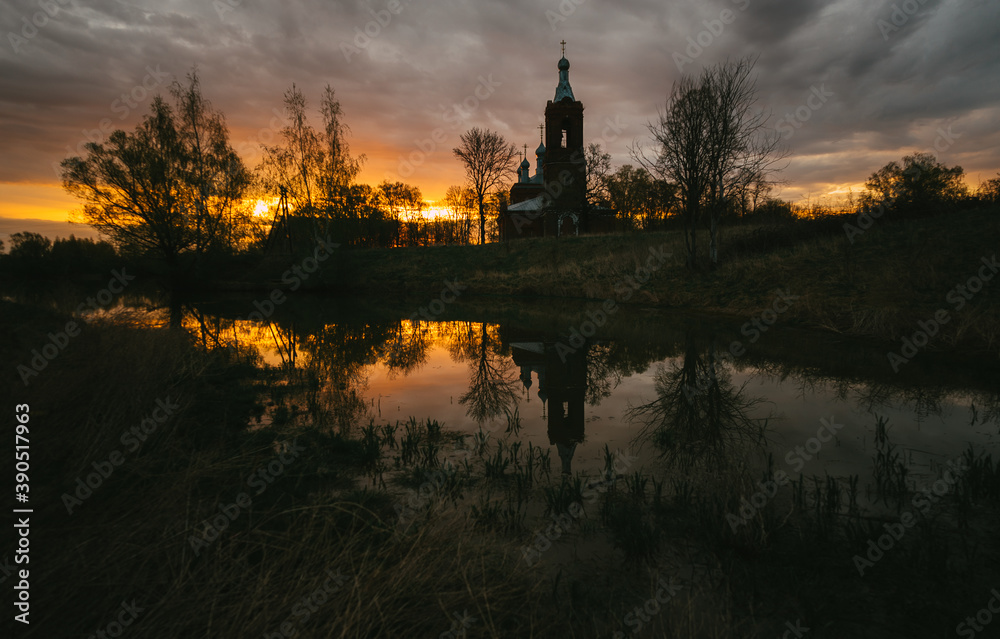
{"x":892,"y":276}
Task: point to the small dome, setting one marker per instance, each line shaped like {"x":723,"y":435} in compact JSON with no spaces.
{"x":563,"y":90}
{"x":540,"y":150}
{"x":524,"y":164}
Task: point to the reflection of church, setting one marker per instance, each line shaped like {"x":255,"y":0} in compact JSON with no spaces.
{"x":562,"y":387}
{"x":553,"y":201}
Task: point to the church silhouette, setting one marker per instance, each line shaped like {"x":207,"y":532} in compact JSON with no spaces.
{"x":553,"y":201}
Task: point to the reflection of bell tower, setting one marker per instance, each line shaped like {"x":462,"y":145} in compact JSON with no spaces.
{"x":567,"y":386}
{"x":562,"y":387}
{"x":565,"y":172}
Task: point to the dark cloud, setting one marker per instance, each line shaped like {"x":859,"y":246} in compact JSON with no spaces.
{"x":399,"y":75}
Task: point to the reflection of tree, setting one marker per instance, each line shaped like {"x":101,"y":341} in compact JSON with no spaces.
{"x":339,"y":357}
{"x":207,"y":331}
{"x":464,"y":341}
{"x":493,"y":383}
{"x":405,"y":350}
{"x":925,"y":401}
{"x":603,"y":375}
{"x":285,"y":343}
{"x":698,"y":413}
{"x":327,"y":384}
{"x":988,"y":409}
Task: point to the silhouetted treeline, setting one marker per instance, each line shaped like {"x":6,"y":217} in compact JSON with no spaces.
{"x":31,"y":255}
{"x":394,"y":214}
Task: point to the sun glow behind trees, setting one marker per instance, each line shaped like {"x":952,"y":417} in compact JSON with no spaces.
{"x":203,"y":200}
{"x":264,"y":208}
{"x":267,"y":208}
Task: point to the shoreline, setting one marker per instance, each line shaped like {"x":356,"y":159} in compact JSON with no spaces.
{"x":885,"y":285}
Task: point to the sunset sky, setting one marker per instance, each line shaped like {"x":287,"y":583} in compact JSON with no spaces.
{"x":863,"y":82}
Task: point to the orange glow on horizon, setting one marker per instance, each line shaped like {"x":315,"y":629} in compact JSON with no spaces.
{"x":40,"y":201}
{"x":50,"y":202}
{"x":433,"y":212}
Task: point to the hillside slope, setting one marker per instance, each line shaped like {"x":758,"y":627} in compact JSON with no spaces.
{"x":891,"y":277}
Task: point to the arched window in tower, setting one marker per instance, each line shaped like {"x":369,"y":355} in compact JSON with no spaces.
{"x":564,"y":140}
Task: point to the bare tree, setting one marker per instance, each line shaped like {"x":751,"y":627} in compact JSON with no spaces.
{"x":741,"y":144}
{"x":681,"y":135}
{"x":710,"y":138}
{"x":488,"y":160}
{"x":754,"y":191}
{"x":598,"y":173}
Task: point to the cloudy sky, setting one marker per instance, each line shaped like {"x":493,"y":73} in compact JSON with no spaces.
{"x":852,"y":84}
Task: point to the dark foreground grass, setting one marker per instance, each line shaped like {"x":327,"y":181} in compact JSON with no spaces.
{"x":880,"y":284}
{"x":319,"y":552}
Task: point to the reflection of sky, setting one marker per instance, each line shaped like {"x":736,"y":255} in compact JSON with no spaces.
{"x":433,"y":390}
{"x":923,"y":442}
{"x":430,"y":391}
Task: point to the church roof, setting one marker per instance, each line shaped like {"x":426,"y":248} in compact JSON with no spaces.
{"x":534,"y":204}
{"x":563,"y":89}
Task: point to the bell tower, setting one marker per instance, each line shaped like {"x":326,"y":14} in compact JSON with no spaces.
{"x":565,"y":168}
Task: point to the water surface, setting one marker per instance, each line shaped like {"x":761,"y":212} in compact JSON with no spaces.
{"x":524,"y":372}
